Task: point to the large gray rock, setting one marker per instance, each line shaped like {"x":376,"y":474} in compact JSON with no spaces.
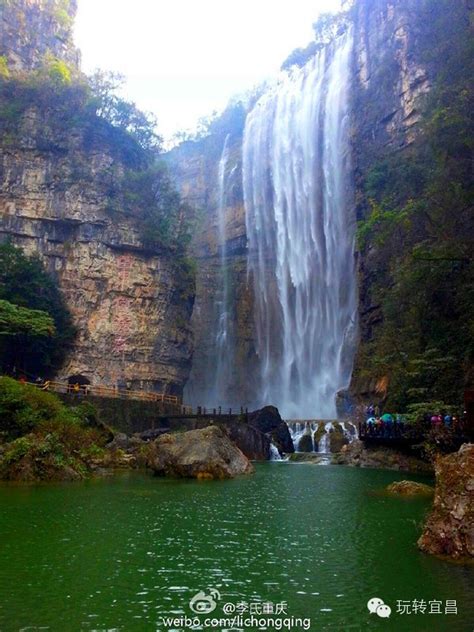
{"x":206,"y":453}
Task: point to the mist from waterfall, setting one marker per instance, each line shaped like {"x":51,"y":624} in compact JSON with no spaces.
{"x":300,"y":227}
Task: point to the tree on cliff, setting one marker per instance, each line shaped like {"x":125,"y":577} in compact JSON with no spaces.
{"x":33,"y":313}
{"x":93,"y":108}
{"x":20,"y":321}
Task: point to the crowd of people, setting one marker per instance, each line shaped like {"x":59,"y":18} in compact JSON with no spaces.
{"x":382,"y":425}
{"x":394,"y":424}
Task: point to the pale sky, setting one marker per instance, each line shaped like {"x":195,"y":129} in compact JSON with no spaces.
{"x":183,"y":59}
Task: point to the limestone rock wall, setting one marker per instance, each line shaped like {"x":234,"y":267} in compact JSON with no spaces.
{"x":195,"y":166}
{"x":129,"y":306}
{"x":389,"y":85}
{"x":33,"y":29}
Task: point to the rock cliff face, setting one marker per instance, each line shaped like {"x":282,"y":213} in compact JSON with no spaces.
{"x":196,"y":166}
{"x":33,"y":29}
{"x":129,"y":304}
{"x":388,"y":83}
{"x":450,"y":526}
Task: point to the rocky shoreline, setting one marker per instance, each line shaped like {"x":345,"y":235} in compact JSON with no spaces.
{"x":356,"y":454}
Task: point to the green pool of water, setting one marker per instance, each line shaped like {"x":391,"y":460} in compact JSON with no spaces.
{"x":122,"y":552}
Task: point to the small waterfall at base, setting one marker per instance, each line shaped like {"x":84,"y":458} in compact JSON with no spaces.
{"x":300,"y":227}
{"x":324,"y":445}
{"x":314,"y":435}
{"x":274,"y":453}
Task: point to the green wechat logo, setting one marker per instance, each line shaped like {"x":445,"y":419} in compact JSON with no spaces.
{"x":203,"y":603}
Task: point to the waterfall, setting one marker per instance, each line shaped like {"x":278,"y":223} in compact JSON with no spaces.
{"x":274,"y":453}
{"x":300,"y":229}
{"x":314,"y":428}
{"x":222,"y":341}
{"x":324,"y":445}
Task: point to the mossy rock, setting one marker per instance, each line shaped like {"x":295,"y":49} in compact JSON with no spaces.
{"x":319,"y":432}
{"x":305,"y":444}
{"x":409,"y":488}
{"x":305,"y":457}
{"x":337,"y":440}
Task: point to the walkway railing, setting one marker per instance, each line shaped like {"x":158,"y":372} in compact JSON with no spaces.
{"x":85,"y":390}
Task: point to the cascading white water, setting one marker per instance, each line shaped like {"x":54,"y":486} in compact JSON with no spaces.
{"x":299,"y":206}
{"x":223,"y":351}
{"x":301,"y":428}
{"x":274,"y":453}
{"x":324,"y":446}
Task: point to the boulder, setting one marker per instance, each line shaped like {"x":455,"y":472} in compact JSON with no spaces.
{"x":306,"y":457}
{"x":206,"y":453}
{"x":409,"y":488}
{"x":268,"y":421}
{"x":449,"y":530}
{"x":120,"y":442}
{"x":253,"y":443}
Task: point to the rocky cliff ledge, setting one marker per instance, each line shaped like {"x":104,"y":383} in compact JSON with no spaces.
{"x":450,"y":526}
{"x":131,"y":313}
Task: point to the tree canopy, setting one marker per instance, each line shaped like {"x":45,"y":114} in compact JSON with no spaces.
{"x":38,"y":325}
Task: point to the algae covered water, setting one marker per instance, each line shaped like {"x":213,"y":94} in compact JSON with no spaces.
{"x":125,"y":552}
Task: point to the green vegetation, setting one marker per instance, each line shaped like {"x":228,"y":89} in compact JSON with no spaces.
{"x":57,"y":71}
{"x":45,"y":440}
{"x":36,"y":326}
{"x":16,"y":321}
{"x":65,"y":103}
{"x":61,"y":14}
{"x":149,"y":194}
{"x":122,"y":115}
{"x":419,"y":232}
{"x":4,"y":71}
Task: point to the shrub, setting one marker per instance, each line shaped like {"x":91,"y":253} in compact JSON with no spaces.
{"x":22,"y":407}
{"x":48,"y":441}
{"x":4,"y":71}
